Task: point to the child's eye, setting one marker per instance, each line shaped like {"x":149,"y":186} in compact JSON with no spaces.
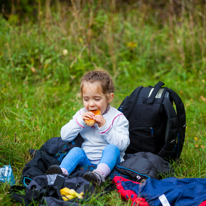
{"x":85,"y":100}
{"x":97,"y":99}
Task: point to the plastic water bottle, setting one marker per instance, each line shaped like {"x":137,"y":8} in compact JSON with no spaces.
{"x":6,"y":175}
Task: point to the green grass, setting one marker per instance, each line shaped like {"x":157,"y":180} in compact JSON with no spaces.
{"x":39,"y":83}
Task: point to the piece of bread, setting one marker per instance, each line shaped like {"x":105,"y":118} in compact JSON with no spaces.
{"x":91,"y":122}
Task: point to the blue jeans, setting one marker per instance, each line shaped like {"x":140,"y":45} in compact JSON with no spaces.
{"x":77,"y":156}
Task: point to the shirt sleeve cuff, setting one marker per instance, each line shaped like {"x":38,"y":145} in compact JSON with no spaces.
{"x":80,"y":122}
{"x":105,"y":128}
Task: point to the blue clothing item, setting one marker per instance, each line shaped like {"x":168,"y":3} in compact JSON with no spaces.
{"x":170,"y":191}
{"x":77,"y":156}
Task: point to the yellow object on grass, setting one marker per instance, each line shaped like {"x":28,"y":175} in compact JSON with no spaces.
{"x":68,"y":194}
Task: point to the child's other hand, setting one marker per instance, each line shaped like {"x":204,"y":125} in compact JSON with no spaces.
{"x":100,"y":120}
{"x":88,"y":115}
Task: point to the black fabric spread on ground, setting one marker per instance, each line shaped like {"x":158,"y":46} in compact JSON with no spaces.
{"x":45,"y":157}
{"x":135,"y":167}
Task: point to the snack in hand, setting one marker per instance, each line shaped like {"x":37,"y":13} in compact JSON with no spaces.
{"x":91,"y":122}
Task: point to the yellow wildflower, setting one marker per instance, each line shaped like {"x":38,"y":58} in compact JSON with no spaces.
{"x":131,"y":45}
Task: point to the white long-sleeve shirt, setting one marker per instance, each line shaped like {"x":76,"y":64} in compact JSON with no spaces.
{"x":115,"y":131}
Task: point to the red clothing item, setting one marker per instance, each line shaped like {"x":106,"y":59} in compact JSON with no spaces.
{"x":203,"y":203}
{"x":140,"y":202}
{"x":128,"y":194}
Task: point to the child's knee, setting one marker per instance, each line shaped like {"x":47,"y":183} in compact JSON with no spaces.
{"x":112,"y":147}
{"x":77,"y":150}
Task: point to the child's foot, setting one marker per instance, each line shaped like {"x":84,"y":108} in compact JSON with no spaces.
{"x":94,"y":177}
{"x":54,"y":169}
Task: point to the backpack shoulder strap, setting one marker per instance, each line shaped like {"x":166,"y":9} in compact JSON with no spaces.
{"x":175,"y":134}
{"x":181,"y":115}
{"x":171,"y":131}
{"x":181,"y":120}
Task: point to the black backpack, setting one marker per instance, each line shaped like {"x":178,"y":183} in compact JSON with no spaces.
{"x":154,"y":124}
{"x":45,"y":190}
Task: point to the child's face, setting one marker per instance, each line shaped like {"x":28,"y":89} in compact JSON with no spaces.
{"x":94,"y":99}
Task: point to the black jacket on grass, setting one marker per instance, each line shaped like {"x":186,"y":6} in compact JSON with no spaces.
{"x":136,"y":166}
{"x":46,"y":156}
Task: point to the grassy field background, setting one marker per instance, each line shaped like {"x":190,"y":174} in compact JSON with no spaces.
{"x":42,"y":62}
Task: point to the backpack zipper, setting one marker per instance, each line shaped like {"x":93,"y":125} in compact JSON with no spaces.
{"x":132,"y":171}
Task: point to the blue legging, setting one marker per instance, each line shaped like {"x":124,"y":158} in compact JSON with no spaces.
{"x":77,"y":156}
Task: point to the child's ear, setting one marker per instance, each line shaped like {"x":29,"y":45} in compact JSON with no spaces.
{"x":111,"y":97}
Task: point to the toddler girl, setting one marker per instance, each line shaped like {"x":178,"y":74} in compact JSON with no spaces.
{"x":104,"y":143}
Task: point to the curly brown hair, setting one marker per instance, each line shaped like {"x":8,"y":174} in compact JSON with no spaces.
{"x":100,"y":76}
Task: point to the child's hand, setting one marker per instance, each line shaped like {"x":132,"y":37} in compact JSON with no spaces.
{"x":100,"y":120}
{"x":88,"y":115}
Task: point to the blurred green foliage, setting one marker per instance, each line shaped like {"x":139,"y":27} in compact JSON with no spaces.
{"x":17,"y":10}
{"x":159,"y":10}
{"x":66,"y":42}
